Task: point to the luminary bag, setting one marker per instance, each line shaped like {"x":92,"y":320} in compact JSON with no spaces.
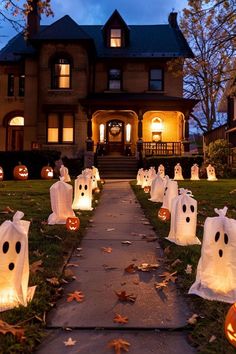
{"x":14,"y":263}
{"x":96,"y":172}
{"x":195,"y":173}
{"x":157,"y":189}
{"x":183,"y":219}
{"x":140,"y":177}
{"x":211,"y":174}
{"x":83,"y":193}
{"x":216,"y":268}
{"x":65,"y":173}
{"x":91,"y":173}
{"x":152,"y":174}
{"x":161,"y":171}
{"x":178,"y":172}
{"x":170,"y":192}
{"x":146,"y":180}
{"x":61,"y":195}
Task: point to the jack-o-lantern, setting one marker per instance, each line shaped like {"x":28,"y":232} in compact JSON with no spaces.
{"x":96,"y":190}
{"x":1,"y":173}
{"x":72,"y":223}
{"x":146,"y":189}
{"x":47,"y":172}
{"x":163,"y":214}
{"x":230,"y":325}
{"x":20,"y":172}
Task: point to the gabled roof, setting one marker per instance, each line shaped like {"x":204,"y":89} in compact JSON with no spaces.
{"x":115,"y":18}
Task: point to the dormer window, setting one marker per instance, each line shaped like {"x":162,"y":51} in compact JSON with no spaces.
{"x":115,"y":37}
{"x":61,"y":74}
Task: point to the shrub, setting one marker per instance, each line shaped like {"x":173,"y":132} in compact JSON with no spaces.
{"x":217,"y":155}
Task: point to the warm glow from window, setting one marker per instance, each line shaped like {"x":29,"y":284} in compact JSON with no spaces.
{"x":128,"y":133}
{"x":157,"y":125}
{"x":115,"y":39}
{"x":102,"y":133}
{"x":61,"y":74}
{"x":68,"y":129}
{"x":53,"y":128}
{"x":52,"y":135}
{"x":17,"y":121}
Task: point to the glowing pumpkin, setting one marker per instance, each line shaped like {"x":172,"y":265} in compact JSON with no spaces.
{"x":230,"y":325}
{"x":47,"y":172}
{"x":163,"y":214}
{"x":146,"y":189}
{"x":72,"y":223}
{"x":1,"y":173}
{"x":20,"y":172}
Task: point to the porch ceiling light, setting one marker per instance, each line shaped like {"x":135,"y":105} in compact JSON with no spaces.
{"x":157,"y":125}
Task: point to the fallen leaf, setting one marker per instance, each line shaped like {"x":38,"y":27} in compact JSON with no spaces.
{"x":72,"y":265}
{"x":169,"y":276}
{"x":135,"y":282}
{"x":9,"y":210}
{"x":193,"y":319}
{"x":176,"y":262}
{"x":149,"y":238}
{"x":188,"y":269}
{"x":68,"y":273}
{"x":120,"y":319}
{"x":36,"y":266}
{"x":106,"y":267}
{"x":70,"y":342}
{"x":122,"y":296}
{"x":53,"y":281}
{"x":161,"y":285}
{"x":126,"y":243}
{"x":106,"y":249}
{"x":212,"y":339}
{"x":112,"y":229}
{"x":131,"y":268}
{"x":146,"y":223}
{"x":233,"y":191}
{"x":76,"y":295}
{"x":16,"y":331}
{"x":146,"y":267}
{"x":119,"y":345}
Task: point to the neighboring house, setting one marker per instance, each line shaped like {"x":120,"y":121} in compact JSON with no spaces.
{"x":77,"y":88}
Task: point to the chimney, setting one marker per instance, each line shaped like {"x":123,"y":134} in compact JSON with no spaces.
{"x":33,"y":19}
{"x":173,"y":20}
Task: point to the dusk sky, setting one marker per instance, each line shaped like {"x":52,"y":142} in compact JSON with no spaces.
{"x":97,"y":12}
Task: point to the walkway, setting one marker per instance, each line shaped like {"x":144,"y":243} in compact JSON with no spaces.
{"x":101,"y":273}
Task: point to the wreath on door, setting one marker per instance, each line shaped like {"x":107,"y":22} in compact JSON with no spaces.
{"x":114,"y":129}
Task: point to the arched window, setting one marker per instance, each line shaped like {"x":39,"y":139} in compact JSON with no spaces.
{"x":157,"y":129}
{"x":61,"y":73}
{"x":15,"y":133}
{"x":18,"y":120}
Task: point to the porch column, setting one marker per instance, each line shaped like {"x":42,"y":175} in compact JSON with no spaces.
{"x":140,"y":131}
{"x":89,"y":140}
{"x":186,"y":142}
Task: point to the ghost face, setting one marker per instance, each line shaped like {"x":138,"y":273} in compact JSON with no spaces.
{"x":146,"y":181}
{"x":178,"y":172}
{"x":161,"y":171}
{"x":140,"y":177}
{"x":211,"y":175}
{"x":186,"y":220}
{"x":195,"y":172}
{"x":83,"y":193}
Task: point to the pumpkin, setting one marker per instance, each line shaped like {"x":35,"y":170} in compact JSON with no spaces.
{"x":20,"y":172}
{"x":47,"y":172}
{"x":96,"y":190}
{"x":230,"y":325}
{"x":72,"y":223}
{"x":163,"y":214}
{"x":1,"y":173}
{"x":146,"y":189}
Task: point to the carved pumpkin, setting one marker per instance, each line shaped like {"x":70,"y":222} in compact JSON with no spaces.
{"x":20,"y":172}
{"x":163,"y":214}
{"x":72,"y":223}
{"x":96,"y":190}
{"x":146,"y":189}
{"x":230,"y":325}
{"x":47,"y":172}
{"x":1,"y":173}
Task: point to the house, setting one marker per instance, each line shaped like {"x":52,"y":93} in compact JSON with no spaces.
{"x":94,"y":88}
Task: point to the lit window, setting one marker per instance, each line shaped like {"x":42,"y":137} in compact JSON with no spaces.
{"x":60,"y":128}
{"x":22,"y":85}
{"x":114,"y":79}
{"x":61,"y":76}
{"x":102,"y":133}
{"x":53,"y":128}
{"x":128,"y":133}
{"x":68,"y":128}
{"x":16,"y":121}
{"x":115,"y":38}
{"x":156,"y":80}
{"x":10,"y":86}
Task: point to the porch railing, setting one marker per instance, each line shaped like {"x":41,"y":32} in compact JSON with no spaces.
{"x":162,"y":148}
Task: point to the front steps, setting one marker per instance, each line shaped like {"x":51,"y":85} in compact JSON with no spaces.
{"x":117,"y":167}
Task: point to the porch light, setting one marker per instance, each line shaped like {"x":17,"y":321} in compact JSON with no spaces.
{"x":157,"y":125}
{"x":128,"y":133}
{"x":102,"y":133}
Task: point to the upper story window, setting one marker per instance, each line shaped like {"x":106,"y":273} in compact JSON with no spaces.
{"x":21,"y":85}
{"x":60,"y":128}
{"x":114,"y":79}
{"x":10,"y":85}
{"x":115,"y":37}
{"x":156,"y":80}
{"x":61,"y":74}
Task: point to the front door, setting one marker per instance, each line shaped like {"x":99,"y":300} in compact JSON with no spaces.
{"x":115,"y":136}
{"x":15,"y":138}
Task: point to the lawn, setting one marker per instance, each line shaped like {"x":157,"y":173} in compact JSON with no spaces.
{"x":50,"y":247}
{"x":208,"y":332}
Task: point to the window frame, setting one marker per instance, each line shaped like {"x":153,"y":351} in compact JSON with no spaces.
{"x":156,"y":80}
{"x":21,"y":91}
{"x":55,"y":77}
{"x":10,"y":85}
{"x":115,"y":37}
{"x":60,"y":116}
{"x":109,"y":79}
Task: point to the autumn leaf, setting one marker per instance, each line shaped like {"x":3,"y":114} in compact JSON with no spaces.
{"x":119,"y":345}
{"x":106,"y":249}
{"x":53,"y":281}
{"x":120,"y":319}
{"x":70,"y":342}
{"x":146,"y":267}
{"x":122,"y":296}
{"x":188,"y":269}
{"x":126,"y":243}
{"x":76,"y":295}
{"x":169,"y":276}
{"x":107,"y":267}
{"x":176,"y":262}
{"x":161,"y":285}
{"x":16,"y":331}
{"x":36,"y":266}
{"x":111,"y":229}
{"x":131,"y":268}
{"x":72,"y":265}
{"x":193,"y":319}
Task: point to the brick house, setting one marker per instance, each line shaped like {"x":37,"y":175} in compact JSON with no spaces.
{"x":94,"y":88}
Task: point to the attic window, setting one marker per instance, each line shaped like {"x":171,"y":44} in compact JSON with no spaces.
{"x":115,"y":37}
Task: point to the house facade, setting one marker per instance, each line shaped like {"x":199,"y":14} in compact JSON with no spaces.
{"x":102,"y":89}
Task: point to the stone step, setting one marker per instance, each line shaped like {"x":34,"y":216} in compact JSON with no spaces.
{"x":117,"y":166}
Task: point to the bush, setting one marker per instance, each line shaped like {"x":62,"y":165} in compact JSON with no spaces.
{"x":169,"y":162}
{"x":217,"y":155}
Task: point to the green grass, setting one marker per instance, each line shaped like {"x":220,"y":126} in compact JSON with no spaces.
{"x":209,"y":195}
{"x":52,"y":244}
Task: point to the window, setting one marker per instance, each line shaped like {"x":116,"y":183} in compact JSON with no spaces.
{"x":10,"y":87}
{"x":60,"y":129}
{"x":18,"y":120}
{"x":114,"y":79}
{"x":115,"y":37}
{"x":22,"y":85}
{"x":61,"y":74}
{"x":156,"y":80}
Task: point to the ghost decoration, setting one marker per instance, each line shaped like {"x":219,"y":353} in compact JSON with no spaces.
{"x":139,"y":177}
{"x":211,"y":174}
{"x":216,"y":268}
{"x":83,"y":193}
{"x":14,"y":263}
{"x":170,"y":192}
{"x":61,"y":195}
{"x":195,"y":173}
{"x":65,"y":173}
{"x":152,"y":174}
{"x":157,"y":189}
{"x":96,"y":172}
{"x":89,"y":172}
{"x":146,"y":180}
{"x":161,"y":171}
{"x":178,"y":172}
{"x":183,"y":219}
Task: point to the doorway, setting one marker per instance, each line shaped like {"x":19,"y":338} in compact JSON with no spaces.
{"x":115,"y":136}
{"x":15,"y":134}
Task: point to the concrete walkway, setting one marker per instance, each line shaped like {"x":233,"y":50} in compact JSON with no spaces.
{"x":156,"y":319}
